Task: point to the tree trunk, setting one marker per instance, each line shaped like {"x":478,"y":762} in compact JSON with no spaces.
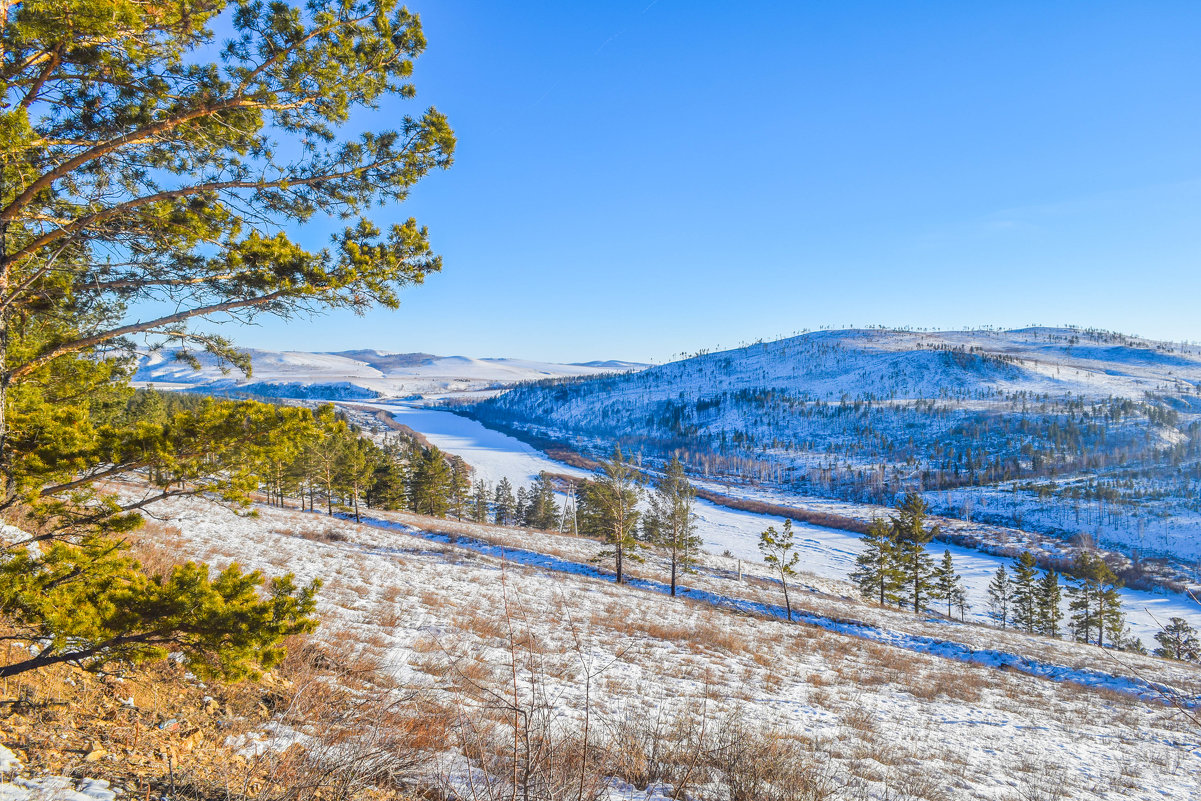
{"x":618,"y":551}
{"x":6,"y":465}
{"x":673,"y":574}
{"x":787,"y":603}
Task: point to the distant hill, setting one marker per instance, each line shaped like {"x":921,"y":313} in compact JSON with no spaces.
{"x":358,"y":373}
{"x":1072,"y":430}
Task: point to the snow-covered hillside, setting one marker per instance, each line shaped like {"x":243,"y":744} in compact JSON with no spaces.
{"x":885,"y":705}
{"x":357,"y":373}
{"x":1066,"y":430}
{"x":824,"y":552}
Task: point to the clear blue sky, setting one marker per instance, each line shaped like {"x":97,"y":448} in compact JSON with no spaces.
{"x":638,"y":179}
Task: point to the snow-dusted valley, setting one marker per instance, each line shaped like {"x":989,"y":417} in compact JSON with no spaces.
{"x":1061,"y":432}
{"x":826,"y":552}
{"x":1021,"y":440}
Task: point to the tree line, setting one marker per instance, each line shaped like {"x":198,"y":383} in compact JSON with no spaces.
{"x":895,"y":569}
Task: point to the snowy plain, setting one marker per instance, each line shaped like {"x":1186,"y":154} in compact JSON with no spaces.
{"x":373,"y":371}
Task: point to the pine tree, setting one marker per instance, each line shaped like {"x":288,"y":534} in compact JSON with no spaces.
{"x":1023,"y":593}
{"x":388,"y":482}
{"x":1095,"y":606}
{"x":324,"y":450}
{"x":609,"y":509}
{"x":459,"y":488}
{"x":913,"y":561}
{"x":149,"y":198}
{"x":356,"y":463}
{"x":1178,"y":640}
{"x":1049,"y":612}
{"x":520,"y":506}
{"x":961,"y":604}
{"x":999,"y":595}
{"x":141,"y":171}
{"x":776,"y":548}
{"x":670,"y":522}
{"x":541,"y":510}
{"x":91,"y":605}
{"x":947,"y":584}
{"x":876,"y":572}
{"x":504,"y":504}
{"x":429,"y":491}
{"x":479,"y":502}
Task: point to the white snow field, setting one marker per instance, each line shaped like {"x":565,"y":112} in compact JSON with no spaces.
{"x":891,"y":705}
{"x":825,"y":552}
{"x":47,"y":788}
{"x":362,"y":373}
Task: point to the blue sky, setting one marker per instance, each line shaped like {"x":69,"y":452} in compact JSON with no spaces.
{"x":635,"y":179}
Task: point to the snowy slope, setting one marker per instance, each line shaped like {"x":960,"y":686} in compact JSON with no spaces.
{"x":825,"y":552}
{"x":358,"y":373}
{"x":900,"y":365}
{"x":1071,"y":431}
{"x":886,"y":700}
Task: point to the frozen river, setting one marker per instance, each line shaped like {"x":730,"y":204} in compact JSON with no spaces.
{"x":824,"y":551}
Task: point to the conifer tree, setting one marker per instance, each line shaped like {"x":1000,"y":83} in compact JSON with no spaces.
{"x":357,"y":458}
{"x":459,"y":488}
{"x":1023,"y":593}
{"x":670,"y":522}
{"x":1178,"y":640}
{"x":876,"y":572}
{"x":89,"y":604}
{"x":520,"y":505}
{"x":143,"y":168}
{"x":137,"y":167}
{"x":947,"y":584}
{"x":913,"y":561}
{"x":541,"y":510}
{"x":961,"y":604}
{"x":609,"y":509}
{"x":1095,"y":606}
{"x":999,"y":597}
{"x":504,"y":504}
{"x":429,"y":491}
{"x":388,"y":481}
{"x":1049,"y":612}
{"x":479,"y":502}
{"x":776,"y":548}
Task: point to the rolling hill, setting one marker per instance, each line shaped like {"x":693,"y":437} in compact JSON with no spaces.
{"x":1068,"y":431}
